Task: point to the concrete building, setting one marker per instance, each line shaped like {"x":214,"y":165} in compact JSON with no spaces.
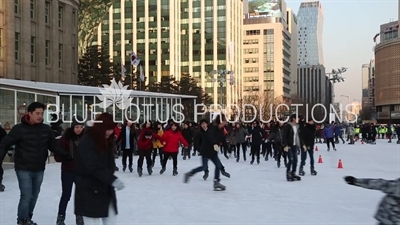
{"x":365,"y":71}
{"x":38,"y":40}
{"x":292,"y":26}
{"x":371,"y":88}
{"x":387,"y":73}
{"x":179,"y":37}
{"x":267,"y":58}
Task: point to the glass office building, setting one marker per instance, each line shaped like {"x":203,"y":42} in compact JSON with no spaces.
{"x":310,"y":26}
{"x":175,"y":37}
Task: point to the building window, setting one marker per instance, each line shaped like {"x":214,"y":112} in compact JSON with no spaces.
{"x":60,"y":16}
{"x":33,"y":50}
{"x":60,"y":56}
{"x":33,"y":5}
{"x":17,"y":44}
{"x":47,"y":12}
{"x":47,"y":53}
{"x":1,"y":41}
{"x":16,"y":7}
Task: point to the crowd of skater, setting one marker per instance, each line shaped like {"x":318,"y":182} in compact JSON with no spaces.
{"x":87,"y":155}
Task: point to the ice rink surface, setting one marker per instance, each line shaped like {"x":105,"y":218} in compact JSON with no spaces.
{"x":256,"y":194}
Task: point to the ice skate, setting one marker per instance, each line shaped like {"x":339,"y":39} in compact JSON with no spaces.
{"x":335,"y":149}
{"x":301,"y":172}
{"x":162,"y":170}
{"x":187,"y":177}
{"x":278,"y":164}
{"x":295,"y":177}
{"x":175,"y":171}
{"x":2,"y":187}
{"x":116,"y":168}
{"x":289,"y":176}
{"x":237,"y":159}
{"x":329,"y":149}
{"x":60,"y":220}
{"x":184,"y":157}
{"x":226,"y":174}
{"x":313,"y":172}
{"x":258,"y":161}
{"x":26,"y":222}
{"x":79,"y":220}
{"x":218,"y":186}
{"x":205,"y":176}
{"x":252,"y":161}
{"x":130,"y":169}
{"x":140,"y":172}
{"x":123,"y":168}
{"x":149,"y":170}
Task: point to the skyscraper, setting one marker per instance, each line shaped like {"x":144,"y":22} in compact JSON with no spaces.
{"x":310,"y":26}
{"x":365,"y":74}
{"x":175,"y":37}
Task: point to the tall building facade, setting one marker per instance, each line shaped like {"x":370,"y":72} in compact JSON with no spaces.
{"x":175,"y":37}
{"x":387,"y":74}
{"x":292,"y":26}
{"x":313,"y":85}
{"x":365,"y":71}
{"x":371,"y":88}
{"x":38,"y":40}
{"x":269,"y":59}
{"x":310,"y":23}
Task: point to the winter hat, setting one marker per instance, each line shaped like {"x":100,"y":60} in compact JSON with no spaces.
{"x":105,"y":121}
{"x":77,"y":120}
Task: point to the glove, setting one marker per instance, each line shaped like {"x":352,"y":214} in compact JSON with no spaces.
{"x":305,"y":148}
{"x":118,"y":184}
{"x":350,"y":180}
{"x":216,"y":148}
{"x":286,"y":149}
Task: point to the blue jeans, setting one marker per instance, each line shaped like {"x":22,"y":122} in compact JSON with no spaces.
{"x":29,"y":187}
{"x":204,"y":166}
{"x":292,"y":159}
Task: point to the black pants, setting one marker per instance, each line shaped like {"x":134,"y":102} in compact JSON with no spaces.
{"x":160,"y":153}
{"x":232,"y":149}
{"x":67,"y":180}
{"x":1,"y":172}
{"x":174,"y":157}
{"x":255,"y":151}
{"x":144,"y":154}
{"x":187,"y":150}
{"x":244,"y":148}
{"x":292,"y":156}
{"x":267,"y":149}
{"x":304,"y":157}
{"x":330,"y":140}
{"x":127,"y":153}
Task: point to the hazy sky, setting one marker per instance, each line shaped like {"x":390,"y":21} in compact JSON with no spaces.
{"x":349,"y":26}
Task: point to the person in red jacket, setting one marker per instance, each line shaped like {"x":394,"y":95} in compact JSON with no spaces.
{"x":69,"y":142}
{"x":145,"y":146}
{"x":173,"y":137}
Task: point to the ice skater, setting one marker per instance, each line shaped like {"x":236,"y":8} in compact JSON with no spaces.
{"x":210,"y":138}
{"x":308,"y":131}
{"x":291,"y":142}
{"x":388,"y":211}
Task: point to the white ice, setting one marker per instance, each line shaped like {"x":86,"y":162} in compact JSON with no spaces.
{"x":256,"y":194}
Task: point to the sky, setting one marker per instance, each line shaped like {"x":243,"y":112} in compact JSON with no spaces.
{"x":349,"y":26}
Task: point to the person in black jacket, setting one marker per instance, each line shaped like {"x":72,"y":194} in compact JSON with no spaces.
{"x":276,"y":137}
{"x":127,"y":138}
{"x":257,"y":134}
{"x":210,"y":138}
{"x":95,"y":197}
{"x":3,"y":133}
{"x":187,"y":133}
{"x":32,"y":139}
{"x":307,"y":131}
{"x":291,"y":141}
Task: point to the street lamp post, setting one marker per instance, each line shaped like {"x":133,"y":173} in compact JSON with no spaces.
{"x":221,"y":79}
{"x":336,"y":76}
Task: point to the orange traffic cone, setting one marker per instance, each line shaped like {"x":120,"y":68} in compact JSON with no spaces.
{"x":316,"y":148}
{"x":320,"y":159}
{"x":340,"y":165}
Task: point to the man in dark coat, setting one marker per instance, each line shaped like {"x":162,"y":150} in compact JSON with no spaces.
{"x":257,"y":134}
{"x":32,"y":139}
{"x":210,"y":138}
{"x":307,"y":130}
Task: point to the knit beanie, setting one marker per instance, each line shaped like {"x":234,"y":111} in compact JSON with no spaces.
{"x":77,"y":120}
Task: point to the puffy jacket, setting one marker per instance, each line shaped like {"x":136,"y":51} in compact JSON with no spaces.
{"x":388,"y":211}
{"x":351,"y":131}
{"x":329,"y":131}
{"x":157,"y":143}
{"x":32,"y":142}
{"x":143,"y":142}
{"x":172,"y":140}
{"x":338,"y":130}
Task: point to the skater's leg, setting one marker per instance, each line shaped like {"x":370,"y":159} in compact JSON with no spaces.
{"x":290,"y":159}
{"x":175,"y":160}
{"x":327,"y":143}
{"x":258,"y":152}
{"x":217,"y":164}
{"x":253,"y":151}
{"x":148,"y":158}
{"x":269,"y":149}
{"x":67,"y":180}
{"x":130,"y":157}
{"x":161,"y":155}
{"x":165,"y":159}
{"x":141,"y":158}
{"x":124,"y":156}
{"x":311,"y":154}
{"x":294,"y":159}
{"x":333,"y":143}
{"x":154,"y":155}
{"x":303,"y":156}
